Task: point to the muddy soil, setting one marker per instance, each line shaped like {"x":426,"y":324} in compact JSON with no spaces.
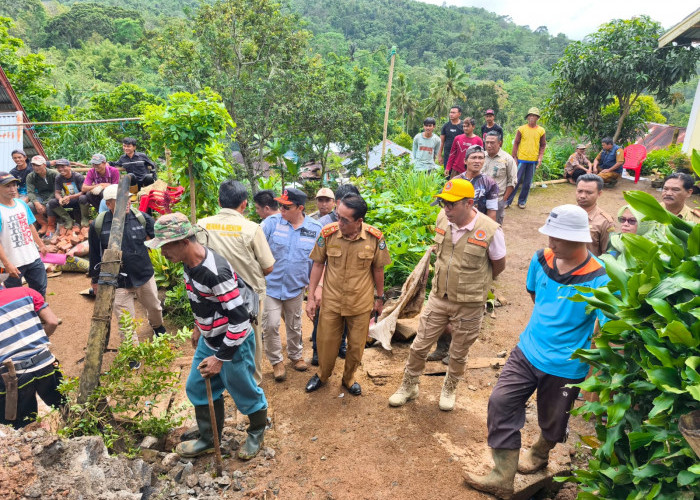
{"x":329,"y":444}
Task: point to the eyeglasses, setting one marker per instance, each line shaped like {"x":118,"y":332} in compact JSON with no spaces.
{"x":624,"y":220}
{"x":288,"y":207}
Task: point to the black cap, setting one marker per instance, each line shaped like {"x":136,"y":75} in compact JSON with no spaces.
{"x":6,"y":178}
{"x":292,"y":196}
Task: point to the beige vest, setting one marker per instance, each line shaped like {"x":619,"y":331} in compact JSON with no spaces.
{"x":463,"y":270}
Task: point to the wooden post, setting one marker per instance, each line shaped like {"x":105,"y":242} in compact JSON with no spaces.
{"x":388,"y":101}
{"x":104,"y":301}
{"x":168,"y":167}
{"x":193,"y":201}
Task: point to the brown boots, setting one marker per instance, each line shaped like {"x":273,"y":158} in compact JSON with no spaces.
{"x":43,"y":225}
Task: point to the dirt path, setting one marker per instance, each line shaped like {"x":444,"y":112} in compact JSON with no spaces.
{"x":328,"y":446}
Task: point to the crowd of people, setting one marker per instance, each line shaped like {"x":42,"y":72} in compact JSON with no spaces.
{"x":242,"y":278}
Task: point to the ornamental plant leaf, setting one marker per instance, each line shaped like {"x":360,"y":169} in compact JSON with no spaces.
{"x":646,"y":361}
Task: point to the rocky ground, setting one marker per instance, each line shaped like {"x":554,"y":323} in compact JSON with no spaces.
{"x":326,"y":445}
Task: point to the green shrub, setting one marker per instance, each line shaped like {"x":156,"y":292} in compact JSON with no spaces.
{"x":665,"y":161}
{"x":645,"y":364}
{"x":555,"y":157}
{"x":404,"y":140}
{"x":121,"y":407}
{"x":176,"y":305}
{"x":399,"y":205}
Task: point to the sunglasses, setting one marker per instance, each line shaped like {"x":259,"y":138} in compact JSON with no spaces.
{"x":288,"y":207}
{"x":624,"y":220}
{"x":447,"y":204}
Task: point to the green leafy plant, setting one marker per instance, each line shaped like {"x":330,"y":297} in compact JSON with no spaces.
{"x":177,"y":305}
{"x":121,"y":409}
{"x":665,"y":161}
{"x":399,"y":205}
{"x":645,"y":364}
{"x":167,"y":274}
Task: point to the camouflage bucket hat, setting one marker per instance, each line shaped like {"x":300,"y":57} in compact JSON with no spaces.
{"x":169,"y":228}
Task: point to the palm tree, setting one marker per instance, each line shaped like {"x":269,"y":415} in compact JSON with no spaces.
{"x":446,"y":89}
{"x":404,"y":100}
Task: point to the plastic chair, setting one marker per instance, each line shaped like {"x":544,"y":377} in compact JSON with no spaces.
{"x":161,"y":201}
{"x":635,"y":154}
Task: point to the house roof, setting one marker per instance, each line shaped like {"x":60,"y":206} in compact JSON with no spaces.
{"x":661,"y":136}
{"x":375,"y":154}
{"x":683,"y":33}
{"x":10,"y":103}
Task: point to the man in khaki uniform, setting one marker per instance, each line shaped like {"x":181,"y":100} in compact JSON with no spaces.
{"x":471,"y":251}
{"x":354,"y":255}
{"x":678,"y":187}
{"x":242,"y":243}
{"x":588,"y":189}
{"x":501,"y":167}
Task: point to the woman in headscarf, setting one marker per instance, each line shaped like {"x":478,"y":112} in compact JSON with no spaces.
{"x":630,"y":222}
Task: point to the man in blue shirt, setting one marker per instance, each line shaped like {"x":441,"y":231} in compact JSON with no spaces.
{"x":292,"y":235}
{"x":542,"y":359}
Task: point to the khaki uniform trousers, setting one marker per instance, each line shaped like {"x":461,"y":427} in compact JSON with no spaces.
{"x":147,"y":295}
{"x":330,"y":333}
{"x":465,"y":320}
{"x":271,"y":318}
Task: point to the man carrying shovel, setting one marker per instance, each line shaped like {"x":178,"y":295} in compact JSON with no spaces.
{"x":223,"y":338}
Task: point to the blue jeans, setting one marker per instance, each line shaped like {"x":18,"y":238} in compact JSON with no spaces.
{"x":34,"y":273}
{"x":526,"y":171}
{"x":237,"y":377}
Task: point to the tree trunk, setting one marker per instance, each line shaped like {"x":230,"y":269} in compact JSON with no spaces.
{"x":104,"y":299}
{"x":249,"y":168}
{"x":193,"y":200}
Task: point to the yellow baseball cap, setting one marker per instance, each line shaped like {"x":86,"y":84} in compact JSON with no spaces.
{"x":456,"y":189}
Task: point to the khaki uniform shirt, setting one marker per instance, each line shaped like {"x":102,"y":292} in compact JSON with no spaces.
{"x":503,"y":169}
{"x":601,"y":225}
{"x":348,"y":285}
{"x":242,"y":243}
{"x":689,"y":214}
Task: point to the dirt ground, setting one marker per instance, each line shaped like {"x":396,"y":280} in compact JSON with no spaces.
{"x":329,"y":444}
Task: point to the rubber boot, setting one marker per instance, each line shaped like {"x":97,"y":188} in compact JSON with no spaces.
{"x":205,"y":443}
{"x":84,"y":214}
{"x":448,"y":395}
{"x":43,"y":225}
{"x":407,"y":391}
{"x":256,"y":434}
{"x":441,"y":349}
{"x":498,"y":482}
{"x":536,"y":457}
{"x":52,"y":226}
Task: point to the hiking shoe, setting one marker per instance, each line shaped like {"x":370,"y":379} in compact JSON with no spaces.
{"x":300,"y":365}
{"x":521,"y":205}
{"x":279,"y":372}
{"x":157,"y":332}
{"x":134,"y":365}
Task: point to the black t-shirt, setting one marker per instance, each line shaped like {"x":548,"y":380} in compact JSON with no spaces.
{"x":496,"y":128}
{"x":140,"y":165}
{"x":21,"y":175}
{"x":450,"y":131}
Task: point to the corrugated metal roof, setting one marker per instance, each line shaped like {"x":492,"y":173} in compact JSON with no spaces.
{"x":661,"y":136}
{"x":8,"y":103}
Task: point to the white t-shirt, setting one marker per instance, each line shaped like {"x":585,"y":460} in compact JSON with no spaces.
{"x":16,"y":234}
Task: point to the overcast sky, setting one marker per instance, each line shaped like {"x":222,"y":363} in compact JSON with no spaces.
{"x":577,"y":19}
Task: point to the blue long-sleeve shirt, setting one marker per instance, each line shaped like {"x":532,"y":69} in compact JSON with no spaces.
{"x":291,"y":248}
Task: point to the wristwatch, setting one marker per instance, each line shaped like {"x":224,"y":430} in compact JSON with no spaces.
{"x":380,"y":297}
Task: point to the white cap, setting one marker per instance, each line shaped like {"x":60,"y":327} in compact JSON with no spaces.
{"x":568,"y":222}
{"x":110,"y":192}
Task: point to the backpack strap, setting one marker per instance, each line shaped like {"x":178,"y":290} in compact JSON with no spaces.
{"x":100,"y":219}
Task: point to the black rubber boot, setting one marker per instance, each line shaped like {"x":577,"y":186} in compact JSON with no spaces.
{"x":205,"y":443}
{"x":256,"y":433}
{"x":441,"y":349}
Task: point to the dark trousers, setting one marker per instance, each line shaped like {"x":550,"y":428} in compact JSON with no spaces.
{"x":146,"y":181}
{"x":43,"y":383}
{"x":34,"y":273}
{"x":526,"y":171}
{"x":91,"y":199}
{"x":61,"y":211}
{"x":343,"y":342}
{"x":506,"y":409}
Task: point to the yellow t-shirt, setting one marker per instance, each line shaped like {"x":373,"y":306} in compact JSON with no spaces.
{"x":529,"y":147}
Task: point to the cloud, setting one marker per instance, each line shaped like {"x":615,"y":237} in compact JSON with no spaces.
{"x":577,"y":19}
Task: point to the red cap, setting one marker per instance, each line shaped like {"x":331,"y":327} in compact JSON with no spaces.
{"x":489,"y":112}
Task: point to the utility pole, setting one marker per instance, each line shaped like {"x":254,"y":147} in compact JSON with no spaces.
{"x":392,"y":57}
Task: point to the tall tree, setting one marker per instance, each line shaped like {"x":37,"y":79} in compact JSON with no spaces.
{"x":405,"y":100}
{"x":252,"y":54}
{"x":447,"y":89}
{"x":622,"y":61}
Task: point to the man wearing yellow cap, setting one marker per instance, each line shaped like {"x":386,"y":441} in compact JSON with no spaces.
{"x":471,"y":251}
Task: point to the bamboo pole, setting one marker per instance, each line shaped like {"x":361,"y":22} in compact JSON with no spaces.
{"x":388,"y":101}
{"x":104,"y":301}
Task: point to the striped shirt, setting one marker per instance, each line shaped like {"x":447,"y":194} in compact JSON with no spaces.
{"x":21,"y":333}
{"x":218,"y":307}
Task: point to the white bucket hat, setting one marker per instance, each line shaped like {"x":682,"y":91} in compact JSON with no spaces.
{"x":568,"y":222}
